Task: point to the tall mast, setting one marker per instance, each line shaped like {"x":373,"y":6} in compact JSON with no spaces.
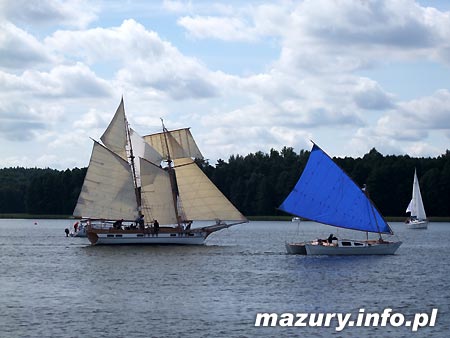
{"x":137,"y":189}
{"x":171,"y":171}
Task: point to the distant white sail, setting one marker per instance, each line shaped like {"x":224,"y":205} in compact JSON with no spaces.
{"x":156,"y":192}
{"x":180,"y":142}
{"x":115,"y":136}
{"x":201,"y":199}
{"x":109,"y":196}
{"x":415,"y":206}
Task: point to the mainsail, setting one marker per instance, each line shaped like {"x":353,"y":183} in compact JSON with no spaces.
{"x":109,"y":196}
{"x":416,"y":207}
{"x":200,"y":198}
{"x":325,"y":194}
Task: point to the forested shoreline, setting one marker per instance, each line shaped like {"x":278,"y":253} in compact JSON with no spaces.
{"x":256,"y":183}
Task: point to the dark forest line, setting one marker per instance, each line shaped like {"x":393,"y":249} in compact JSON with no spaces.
{"x":256,"y":183}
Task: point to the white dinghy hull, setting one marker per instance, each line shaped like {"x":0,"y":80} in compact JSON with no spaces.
{"x":349,"y":247}
{"x":417,"y":224}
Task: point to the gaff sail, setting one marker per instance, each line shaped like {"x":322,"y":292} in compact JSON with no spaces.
{"x":181,"y":144}
{"x":200,"y":198}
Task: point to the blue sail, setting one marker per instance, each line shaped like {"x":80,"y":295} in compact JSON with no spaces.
{"x":325,"y":194}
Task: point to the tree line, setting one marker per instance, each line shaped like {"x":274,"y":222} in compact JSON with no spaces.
{"x":39,"y":191}
{"x":256,"y":183}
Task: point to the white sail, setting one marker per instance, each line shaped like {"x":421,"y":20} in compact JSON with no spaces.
{"x":180,"y":142}
{"x":115,"y":136}
{"x":156,"y":192}
{"x":415,"y":206}
{"x":110,"y":196}
{"x":201,"y":199}
{"x":142,"y":149}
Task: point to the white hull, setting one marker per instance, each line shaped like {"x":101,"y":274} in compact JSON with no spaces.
{"x":350,"y":247}
{"x":423,"y":224}
{"x":139,"y":238}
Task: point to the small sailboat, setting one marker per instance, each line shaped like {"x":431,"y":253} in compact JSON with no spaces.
{"x":418,"y":218}
{"x":149,"y":190}
{"x":325,"y":194}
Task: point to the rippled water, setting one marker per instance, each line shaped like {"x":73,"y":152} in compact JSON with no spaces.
{"x":53,"y":286}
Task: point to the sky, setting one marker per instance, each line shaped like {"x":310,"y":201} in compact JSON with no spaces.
{"x":245,"y":76}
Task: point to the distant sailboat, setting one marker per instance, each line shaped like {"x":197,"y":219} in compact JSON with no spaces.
{"x":418,"y":218}
{"x":134,"y":184}
{"x":325,"y":194}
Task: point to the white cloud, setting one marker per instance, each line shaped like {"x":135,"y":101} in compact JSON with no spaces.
{"x":344,"y":35}
{"x":66,"y":82}
{"x":432,"y":112}
{"x":144,"y":60}
{"x":126,"y":43}
{"x":369,"y":95}
{"x":19,"y":49}
{"x":177,"y":6}
{"x":223,"y":28}
{"x":76,"y":13}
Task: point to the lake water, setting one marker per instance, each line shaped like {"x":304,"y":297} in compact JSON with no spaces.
{"x":53,"y":286}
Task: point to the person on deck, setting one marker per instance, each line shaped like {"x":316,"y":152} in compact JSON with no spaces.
{"x":118,"y":224}
{"x":156,"y":227}
{"x":331,"y":238}
{"x":140,"y":221}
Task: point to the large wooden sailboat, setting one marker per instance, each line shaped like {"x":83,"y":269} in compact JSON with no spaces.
{"x":325,"y":194}
{"x":134,"y":184}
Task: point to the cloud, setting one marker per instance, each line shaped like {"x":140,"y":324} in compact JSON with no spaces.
{"x":76,"y":13}
{"x":344,"y":35}
{"x":430,"y":112}
{"x":142,"y":58}
{"x":407,"y":128}
{"x":416,"y":119}
{"x":20,"y":50}
{"x":19,"y":122}
{"x":126,"y":43}
{"x":64,"y":82}
{"x":369,"y":95}
{"x":223,"y":28}
{"x":177,"y":6}
{"x":246,"y":24}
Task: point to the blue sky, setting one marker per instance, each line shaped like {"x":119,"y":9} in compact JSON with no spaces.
{"x":245,"y":76}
